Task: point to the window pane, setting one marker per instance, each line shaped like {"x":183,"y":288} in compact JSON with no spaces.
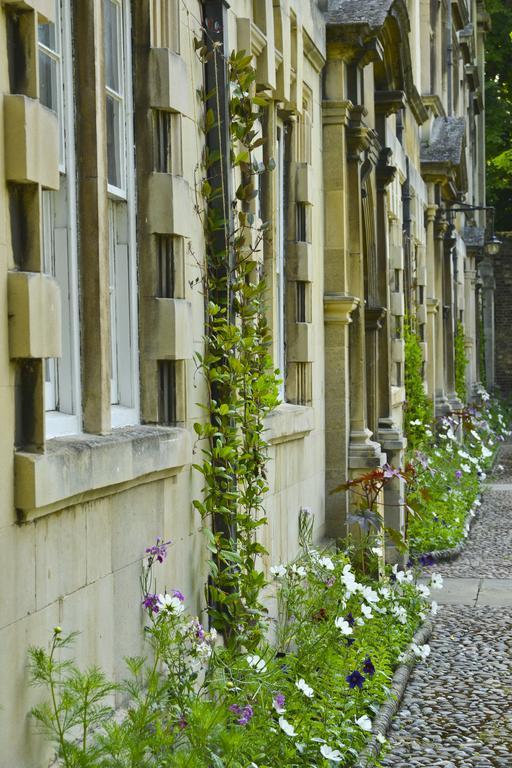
{"x":46,"y":35}
{"x":113,"y":142}
{"x":48,"y":83}
{"x":112,"y":45}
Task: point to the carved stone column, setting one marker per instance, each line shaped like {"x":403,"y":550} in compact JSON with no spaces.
{"x":363,"y":452}
{"x":488,"y":285}
{"x":432,"y":298}
{"x":450,"y":320}
{"x":442,"y":406}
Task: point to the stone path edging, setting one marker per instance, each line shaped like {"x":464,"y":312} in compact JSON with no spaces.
{"x":389,"y":708}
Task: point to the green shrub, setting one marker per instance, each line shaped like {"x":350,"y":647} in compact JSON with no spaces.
{"x":461,"y":362}
{"x":418,"y":409}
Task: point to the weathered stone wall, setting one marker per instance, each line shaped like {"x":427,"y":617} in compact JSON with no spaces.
{"x":503,"y":314}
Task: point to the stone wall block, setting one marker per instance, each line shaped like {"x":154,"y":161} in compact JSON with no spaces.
{"x":169,"y":84}
{"x":31,"y":142}
{"x":171,"y":324}
{"x":397,"y":350}
{"x":45,"y":9}
{"x":17,"y":573}
{"x":397,"y":303}
{"x":299,"y":262}
{"x":34,"y":315}
{"x":60,"y":549}
{"x":170,"y":205}
{"x":301,"y":343}
{"x":304,"y":183}
{"x":421,"y":314}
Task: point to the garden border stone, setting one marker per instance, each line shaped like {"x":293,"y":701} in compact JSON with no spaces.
{"x":390,"y":707}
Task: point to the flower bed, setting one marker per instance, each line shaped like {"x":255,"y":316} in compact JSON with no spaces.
{"x":444,"y":493}
{"x":307,"y":699}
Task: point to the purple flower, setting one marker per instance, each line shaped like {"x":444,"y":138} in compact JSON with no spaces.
{"x":330,"y":582}
{"x":182,"y":723}
{"x":279,"y":700}
{"x":355,"y":679}
{"x":368,"y":667}
{"x":389,"y":472}
{"x":151,"y":603}
{"x":458,"y":474}
{"x":158,"y":551}
{"x":350,"y":619}
{"x":245,"y":713}
{"x":350,"y":641}
{"x":200,"y":634}
{"x":179,"y":595}
{"x":427,"y":560}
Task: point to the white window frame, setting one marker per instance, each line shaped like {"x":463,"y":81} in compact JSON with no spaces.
{"x":119,"y":97}
{"x":125,"y":405}
{"x":279,"y":259}
{"x":60,"y":259}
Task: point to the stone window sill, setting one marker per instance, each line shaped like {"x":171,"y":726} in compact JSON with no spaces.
{"x":289,"y":422}
{"x":84,"y":467}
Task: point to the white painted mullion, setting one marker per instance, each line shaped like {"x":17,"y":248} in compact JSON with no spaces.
{"x":279,"y":262}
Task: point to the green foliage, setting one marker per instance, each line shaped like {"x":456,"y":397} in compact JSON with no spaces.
{"x":461,"y":362}
{"x":191,"y":701}
{"x":236,"y":367}
{"x":447,"y":483}
{"x":418,"y":409}
{"x":498,"y":111}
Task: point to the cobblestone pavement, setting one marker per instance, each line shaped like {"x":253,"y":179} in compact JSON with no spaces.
{"x":457,"y":709}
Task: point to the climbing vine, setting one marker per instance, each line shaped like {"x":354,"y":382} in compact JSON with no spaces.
{"x":236,"y":366}
{"x":418,"y":410}
{"x":461,"y":362}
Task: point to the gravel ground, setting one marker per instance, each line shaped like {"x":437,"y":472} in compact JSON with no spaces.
{"x":457,"y":709}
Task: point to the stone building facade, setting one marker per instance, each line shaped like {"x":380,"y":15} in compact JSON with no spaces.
{"x":375,"y":122}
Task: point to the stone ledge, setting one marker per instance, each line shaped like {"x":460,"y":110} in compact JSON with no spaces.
{"x":289,"y":422}
{"x":78,"y":469}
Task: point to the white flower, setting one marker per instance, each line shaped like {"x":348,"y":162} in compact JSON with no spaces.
{"x":476,"y":435}
{"x":331,"y":754}
{"x":366,"y":609}
{"x":360,"y":621}
{"x":416,"y":422}
{"x":305,"y":688}
{"x":278,"y":571}
{"x":349,"y":580}
{"x":483,"y":476}
{"x":204,"y":651}
{"x":428,"y":432}
{"x":171,"y":603}
{"x":326,"y":563}
{"x":486,"y":452}
{"x":364,"y":723}
{"x":423,"y":590}
{"x":385,"y":592}
{"x":420,"y":651}
{"x":257,"y":663}
{"x":213,"y":634}
{"x":463,"y":455}
{"x":450,"y":435}
{"x":465,"y":468}
{"x":298,"y":570}
{"x":381,"y":738}
{"x":434,"y":608}
{"x":477,"y":503}
{"x":400,"y":613}
{"x":370,"y":595}
{"x":343,"y":625}
{"x":436,"y":581}
{"x":287,"y":727}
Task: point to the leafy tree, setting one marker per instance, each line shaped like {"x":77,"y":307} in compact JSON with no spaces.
{"x":498,"y":95}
